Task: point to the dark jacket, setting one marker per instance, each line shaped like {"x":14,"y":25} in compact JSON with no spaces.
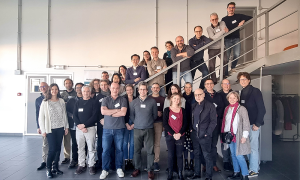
{"x":208,"y":119}
{"x":168,"y":127}
{"x":217,"y":101}
{"x":127,"y":116}
{"x":38,"y":103}
{"x":225,"y":101}
{"x":70,"y":107}
{"x":254,"y":103}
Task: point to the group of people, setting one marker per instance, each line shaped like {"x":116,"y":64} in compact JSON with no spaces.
{"x":114,"y":120}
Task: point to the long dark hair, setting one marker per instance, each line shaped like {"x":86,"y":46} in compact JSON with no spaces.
{"x":49,"y":95}
{"x":116,"y":74}
{"x":122,"y":67}
{"x":148,"y":53}
{"x":178,"y":89}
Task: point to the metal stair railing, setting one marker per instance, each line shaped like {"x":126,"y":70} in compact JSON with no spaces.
{"x":267,"y":25}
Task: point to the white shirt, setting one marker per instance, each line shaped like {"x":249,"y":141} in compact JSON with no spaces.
{"x":234,"y":124}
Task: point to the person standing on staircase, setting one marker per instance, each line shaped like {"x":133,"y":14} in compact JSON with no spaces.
{"x":232,"y":21}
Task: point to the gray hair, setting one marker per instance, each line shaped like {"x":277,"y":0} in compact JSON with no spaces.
{"x":142,"y":83}
{"x":213,"y":14}
{"x":86,"y":86}
{"x":188,"y":83}
{"x":235,"y":94}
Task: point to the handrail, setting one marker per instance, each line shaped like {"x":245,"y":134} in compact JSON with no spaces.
{"x":216,"y":40}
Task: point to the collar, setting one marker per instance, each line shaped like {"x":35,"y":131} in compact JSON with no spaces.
{"x":214,"y":26}
{"x":176,"y":47}
{"x":196,"y":38}
{"x":144,"y":99}
{"x":70,"y":91}
{"x":134,"y":67}
{"x":206,"y":92}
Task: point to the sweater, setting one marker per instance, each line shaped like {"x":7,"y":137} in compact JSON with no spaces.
{"x":44,"y":118}
{"x":65,"y":95}
{"x":233,"y":22}
{"x":86,"y":112}
{"x":215,"y":32}
{"x":132,"y":74}
{"x":167,"y":126}
{"x":199,"y":43}
{"x":185,"y":65}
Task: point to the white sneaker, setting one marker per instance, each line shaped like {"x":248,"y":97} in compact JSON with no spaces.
{"x":103,"y":174}
{"x":120,"y":173}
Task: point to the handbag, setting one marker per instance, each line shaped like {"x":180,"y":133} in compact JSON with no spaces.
{"x":226,"y":137}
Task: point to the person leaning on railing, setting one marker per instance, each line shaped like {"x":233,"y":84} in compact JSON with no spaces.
{"x":146,"y":59}
{"x":232,"y":21}
{"x":215,"y":30}
{"x":167,"y":57}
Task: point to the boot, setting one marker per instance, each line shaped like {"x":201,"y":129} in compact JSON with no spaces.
{"x":186,"y":165}
{"x":180,"y":175}
{"x":192,"y":164}
{"x":235,"y":175}
{"x":131,"y":166}
{"x":126,"y":162}
{"x":49,"y":173}
{"x":170,"y":175}
{"x":245,"y":178}
{"x":55,"y":169}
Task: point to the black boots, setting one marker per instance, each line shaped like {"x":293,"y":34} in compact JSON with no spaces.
{"x":186,"y":165}
{"x":49,"y":173}
{"x":180,"y":175}
{"x":126,"y":162}
{"x":192,"y":164}
{"x":55,"y":169}
{"x":236,"y":175}
{"x":170,"y":175}
{"x":244,"y":178}
{"x":42,"y":166}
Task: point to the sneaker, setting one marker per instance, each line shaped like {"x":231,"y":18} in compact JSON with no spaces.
{"x":252,"y":174}
{"x":103,"y":174}
{"x":80,"y":170}
{"x":120,"y":173}
{"x":65,"y":161}
{"x":92,"y":170}
{"x":156,"y":167}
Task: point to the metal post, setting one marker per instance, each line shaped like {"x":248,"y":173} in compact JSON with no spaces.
{"x":222,"y":60}
{"x":178,"y":74}
{"x":156,"y":23}
{"x":299,"y":24}
{"x":48,"y":44}
{"x":18,"y":71}
{"x":260,"y":78}
{"x":267,"y":34}
{"x":187,"y":20}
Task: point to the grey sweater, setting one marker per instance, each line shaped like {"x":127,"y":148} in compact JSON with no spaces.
{"x":215,"y":32}
{"x":143,"y":113}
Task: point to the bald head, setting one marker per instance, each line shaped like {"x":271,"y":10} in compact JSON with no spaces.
{"x":114,"y":88}
{"x":199,"y":95}
{"x":179,"y":42}
{"x":44,"y":87}
{"x":225,"y":85}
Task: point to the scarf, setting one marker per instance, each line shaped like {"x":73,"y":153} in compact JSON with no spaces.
{"x":235,"y":107}
{"x":169,"y":54}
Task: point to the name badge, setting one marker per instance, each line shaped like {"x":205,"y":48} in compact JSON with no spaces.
{"x":243,"y":101}
{"x":100,"y":100}
{"x":145,"y":65}
{"x":135,"y":73}
{"x":70,"y":97}
{"x":196,"y":125}
{"x":80,"y":110}
{"x":158,"y":67}
{"x":215,"y":105}
{"x":143,"y":105}
{"x":158,"y":104}
{"x":117,"y":105}
{"x":233,"y":21}
{"x":174,"y":117}
{"x":218,"y":30}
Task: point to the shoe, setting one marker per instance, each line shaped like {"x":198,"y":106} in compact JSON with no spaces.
{"x":208,"y":178}
{"x":170,"y":175}
{"x":42,"y":166}
{"x":180,"y":175}
{"x":130,"y":164}
{"x":73,"y":164}
{"x":252,"y":174}
{"x":186,"y":165}
{"x":49,"y":173}
{"x":120,"y":173}
{"x":145,"y":169}
{"x":156,"y":167}
{"x":236,"y":175}
{"x":135,"y":173}
{"x":192,"y":164}
{"x":92,"y":170}
{"x":194,"y":176}
{"x":103,"y":174}
{"x":150,"y":175}
{"x":216,"y":169}
{"x":65,"y":161}
{"x":203,"y":168}
{"x":55,"y":169}
{"x":245,"y":178}
{"x":80,"y":170}
{"x":227,"y":166}
{"x":126,"y":162}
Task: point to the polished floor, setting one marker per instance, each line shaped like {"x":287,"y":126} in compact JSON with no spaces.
{"x":20,"y":156}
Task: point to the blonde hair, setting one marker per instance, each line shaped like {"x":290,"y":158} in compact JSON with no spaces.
{"x":175,"y":94}
{"x":235,"y":94}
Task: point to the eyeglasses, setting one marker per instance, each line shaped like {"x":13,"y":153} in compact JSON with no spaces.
{"x":226,"y":83}
{"x":42,"y":87}
{"x":142,"y":89}
{"x":231,"y":7}
{"x":215,"y":19}
{"x":244,"y":79}
{"x":198,"y":31}
{"x":209,"y":83}
{"x":198,"y":94}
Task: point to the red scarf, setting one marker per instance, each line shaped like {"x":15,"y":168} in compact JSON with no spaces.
{"x":235,"y":107}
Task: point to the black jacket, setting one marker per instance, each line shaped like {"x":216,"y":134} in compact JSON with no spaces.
{"x":70,"y":107}
{"x":225,"y":101}
{"x":216,"y":100}
{"x":208,"y":119}
{"x":254,"y":103}
{"x":166,"y":122}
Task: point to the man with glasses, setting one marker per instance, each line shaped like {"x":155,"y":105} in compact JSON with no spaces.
{"x":202,"y":125}
{"x":179,"y":52}
{"x":197,"y":42}
{"x":43,"y":88}
{"x":143,"y":112}
{"x":215,"y":30}
{"x":216,"y":99}
{"x":232,"y":21}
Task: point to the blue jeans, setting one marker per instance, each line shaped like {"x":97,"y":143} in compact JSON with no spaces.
{"x":109,"y":137}
{"x":254,"y":156}
{"x":187,"y":77}
{"x":128,"y":138}
{"x":236,"y":50}
{"x":239,"y":162}
{"x":162,"y":91}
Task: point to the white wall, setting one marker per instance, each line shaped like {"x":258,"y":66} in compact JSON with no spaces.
{"x":94,"y":32}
